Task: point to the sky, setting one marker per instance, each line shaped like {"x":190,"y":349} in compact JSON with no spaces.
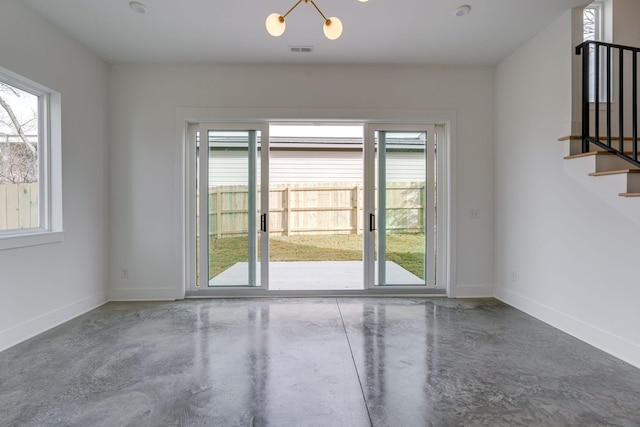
{"x":24,"y":107}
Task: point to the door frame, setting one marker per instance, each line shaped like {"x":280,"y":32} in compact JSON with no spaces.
{"x":444,"y":119}
{"x":371,"y":184}
{"x":261,"y":277}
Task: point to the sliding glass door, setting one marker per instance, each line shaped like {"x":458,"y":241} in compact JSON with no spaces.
{"x":345,"y":211}
{"x":402,"y":204}
{"x":230,"y":225}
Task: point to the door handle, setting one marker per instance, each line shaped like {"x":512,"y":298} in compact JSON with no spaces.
{"x":372,"y":222}
{"x":263,"y":222}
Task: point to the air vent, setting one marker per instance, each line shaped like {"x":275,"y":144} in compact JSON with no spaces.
{"x":300,"y":49}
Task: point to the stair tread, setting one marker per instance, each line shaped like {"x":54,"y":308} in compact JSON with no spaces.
{"x":587,"y":154}
{"x":601,"y":138}
{"x":593,"y":153}
{"x":615,"y":172}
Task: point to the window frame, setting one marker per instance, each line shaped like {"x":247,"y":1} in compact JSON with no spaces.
{"x":50,"y":226}
{"x":599,"y":35}
{"x":598,"y":7}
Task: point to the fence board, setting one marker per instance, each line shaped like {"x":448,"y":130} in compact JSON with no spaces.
{"x":24,"y":206}
{"x":35,"y":207}
{"x":3,"y":207}
{"x":315,"y":209}
{"x":19,"y":206}
{"x":12,"y":207}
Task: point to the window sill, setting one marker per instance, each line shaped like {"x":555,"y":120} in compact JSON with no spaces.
{"x":30,"y":239}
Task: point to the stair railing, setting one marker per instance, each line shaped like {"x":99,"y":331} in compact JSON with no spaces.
{"x":601,"y":63}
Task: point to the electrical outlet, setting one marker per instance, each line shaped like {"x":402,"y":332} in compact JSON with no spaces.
{"x":474,"y":213}
{"x":124,"y":273}
{"x":514,"y":276}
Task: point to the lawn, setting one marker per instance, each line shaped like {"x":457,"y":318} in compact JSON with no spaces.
{"x":406,"y":250}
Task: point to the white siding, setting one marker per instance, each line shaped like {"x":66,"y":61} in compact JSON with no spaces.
{"x":315,"y":166}
{"x":405,"y":166}
{"x":228,"y":168}
{"x":301,"y":166}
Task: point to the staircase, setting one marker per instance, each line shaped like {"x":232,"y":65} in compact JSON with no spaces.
{"x":608,"y":158}
{"x":624,"y":176}
{"x":605,"y":175}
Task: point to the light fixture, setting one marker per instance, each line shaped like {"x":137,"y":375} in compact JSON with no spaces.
{"x":138,"y":7}
{"x":462,"y":10}
{"x":276,"y":24}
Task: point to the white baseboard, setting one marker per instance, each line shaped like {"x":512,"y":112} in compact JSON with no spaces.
{"x":136,"y":294}
{"x":30,"y":328}
{"x":603,"y":340}
{"x":473,"y":291}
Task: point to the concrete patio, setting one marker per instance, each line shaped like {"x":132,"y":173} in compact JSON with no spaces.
{"x":314,"y":275}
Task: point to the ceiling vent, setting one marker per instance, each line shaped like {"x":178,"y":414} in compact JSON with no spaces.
{"x":300,"y":49}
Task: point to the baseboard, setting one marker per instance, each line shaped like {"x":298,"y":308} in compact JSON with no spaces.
{"x":473,"y":291}
{"x":603,"y":340}
{"x":30,"y":328}
{"x":136,"y":294}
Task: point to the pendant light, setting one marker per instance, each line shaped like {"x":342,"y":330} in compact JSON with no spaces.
{"x":332,"y":27}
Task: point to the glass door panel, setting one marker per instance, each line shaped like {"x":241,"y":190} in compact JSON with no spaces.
{"x":403,"y":223}
{"x":228,"y":207}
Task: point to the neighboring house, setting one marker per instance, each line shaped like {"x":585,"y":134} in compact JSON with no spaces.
{"x":307,"y":160}
{"x":536,"y":239}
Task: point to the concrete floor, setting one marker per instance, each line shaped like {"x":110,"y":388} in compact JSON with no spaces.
{"x":313,"y":362}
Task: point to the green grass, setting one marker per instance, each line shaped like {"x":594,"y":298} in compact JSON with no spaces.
{"x":406,"y":250}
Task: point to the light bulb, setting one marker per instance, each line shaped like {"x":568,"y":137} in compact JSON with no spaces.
{"x":363,"y":1}
{"x":332,"y":28}
{"x":275,"y":24}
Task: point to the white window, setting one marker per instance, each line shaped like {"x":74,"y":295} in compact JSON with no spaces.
{"x":592,"y":22}
{"x":592,"y":30}
{"x":30,"y":158}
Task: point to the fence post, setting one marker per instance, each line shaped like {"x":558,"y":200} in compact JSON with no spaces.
{"x":287,"y":212}
{"x":218,"y":213}
{"x":358,"y":218}
{"x":423,"y":207}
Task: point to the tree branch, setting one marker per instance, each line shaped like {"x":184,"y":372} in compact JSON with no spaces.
{"x":16,"y":124}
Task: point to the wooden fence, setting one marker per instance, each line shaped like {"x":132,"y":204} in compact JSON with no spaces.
{"x":18,"y":206}
{"x":306,"y":209}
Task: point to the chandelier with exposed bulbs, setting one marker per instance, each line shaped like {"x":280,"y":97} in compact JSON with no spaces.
{"x":332,"y":26}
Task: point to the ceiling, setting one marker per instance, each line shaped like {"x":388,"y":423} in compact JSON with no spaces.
{"x":233,"y":31}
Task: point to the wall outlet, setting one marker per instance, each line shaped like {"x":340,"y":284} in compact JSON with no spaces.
{"x":124,"y":273}
{"x":474,"y":213}
{"x":514,"y":276}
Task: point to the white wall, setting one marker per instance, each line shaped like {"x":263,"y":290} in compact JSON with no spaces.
{"x":574,"y":257}
{"x":44,"y":285}
{"x":626,"y":30}
{"x":621,"y":27}
{"x":145,"y":158}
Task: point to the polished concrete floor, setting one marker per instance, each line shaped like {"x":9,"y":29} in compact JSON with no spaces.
{"x":313,"y":362}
